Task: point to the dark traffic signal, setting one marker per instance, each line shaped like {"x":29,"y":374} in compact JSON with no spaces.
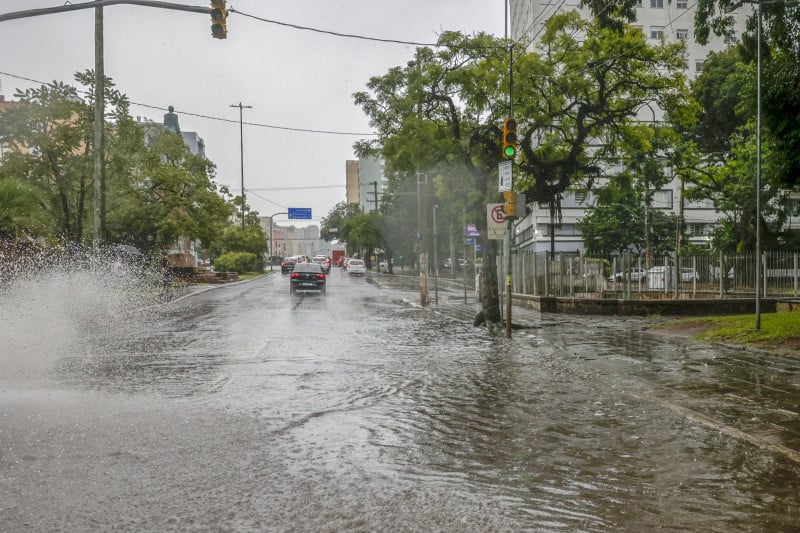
{"x":219,"y":19}
{"x":510,"y":205}
{"x":509,"y":138}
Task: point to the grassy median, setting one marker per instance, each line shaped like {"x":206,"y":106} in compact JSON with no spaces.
{"x":779,"y":331}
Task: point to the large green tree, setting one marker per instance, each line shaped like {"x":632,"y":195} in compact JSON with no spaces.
{"x":51,"y":134}
{"x":171,"y":195}
{"x":581,"y":83}
{"x":780,"y":43}
{"x":46,"y":138}
{"x":440,"y":114}
{"x":584,"y":87}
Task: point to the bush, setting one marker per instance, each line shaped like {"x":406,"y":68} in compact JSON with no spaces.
{"x":236,"y":261}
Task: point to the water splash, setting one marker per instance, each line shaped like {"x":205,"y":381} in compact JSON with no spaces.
{"x":49,"y":302}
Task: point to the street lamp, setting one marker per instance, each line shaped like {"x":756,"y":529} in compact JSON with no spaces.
{"x":758,"y":170}
{"x":271,"y":241}
{"x":758,"y":158}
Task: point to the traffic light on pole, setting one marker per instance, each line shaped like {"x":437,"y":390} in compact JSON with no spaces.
{"x":509,"y":138}
{"x":219,"y":19}
{"x":510,"y":205}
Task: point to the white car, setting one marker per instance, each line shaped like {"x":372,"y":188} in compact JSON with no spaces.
{"x":689,"y":274}
{"x":635,"y":275}
{"x":356,"y":267}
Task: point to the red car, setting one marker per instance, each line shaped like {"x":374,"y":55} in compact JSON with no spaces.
{"x":287,"y":265}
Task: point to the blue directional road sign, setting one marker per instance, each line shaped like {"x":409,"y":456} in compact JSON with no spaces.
{"x":303,"y":213}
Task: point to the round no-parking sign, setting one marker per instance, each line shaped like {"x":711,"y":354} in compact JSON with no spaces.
{"x":495,"y":221}
{"x":497,"y":214}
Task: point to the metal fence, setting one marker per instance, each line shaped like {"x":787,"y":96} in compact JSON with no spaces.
{"x":633,"y":276}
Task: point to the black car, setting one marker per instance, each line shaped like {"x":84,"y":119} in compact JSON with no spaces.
{"x":307,"y":277}
{"x":287,"y":265}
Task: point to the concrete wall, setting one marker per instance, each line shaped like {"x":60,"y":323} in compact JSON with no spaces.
{"x":606,"y":306}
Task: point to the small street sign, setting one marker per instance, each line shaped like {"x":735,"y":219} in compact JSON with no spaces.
{"x":302,"y":213}
{"x":495,"y":221}
{"x":470,"y":242}
{"x":504,"y":172}
{"x":472,"y":231}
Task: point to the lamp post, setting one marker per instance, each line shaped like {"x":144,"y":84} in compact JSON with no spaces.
{"x":241,"y":150}
{"x":422,"y":181}
{"x":271,"y":241}
{"x":758,"y":170}
{"x":758,"y":157}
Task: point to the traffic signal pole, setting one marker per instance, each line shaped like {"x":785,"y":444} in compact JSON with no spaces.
{"x":99,"y":4}
{"x":508,"y":137}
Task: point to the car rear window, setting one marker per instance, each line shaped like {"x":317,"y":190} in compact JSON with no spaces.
{"x":308,"y":267}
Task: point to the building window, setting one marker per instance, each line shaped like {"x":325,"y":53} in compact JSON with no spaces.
{"x":698,"y":229}
{"x":685,"y":64}
{"x":639,"y":3}
{"x":730,"y":39}
{"x":698,"y":65}
{"x":682,"y":4}
{"x":657,"y":3}
{"x":662,"y":199}
{"x":656,"y":32}
{"x":682,"y":34}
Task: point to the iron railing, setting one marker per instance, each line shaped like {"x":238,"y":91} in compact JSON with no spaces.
{"x":637,"y":276}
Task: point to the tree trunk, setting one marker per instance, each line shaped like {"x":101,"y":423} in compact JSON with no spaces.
{"x":490,"y":296}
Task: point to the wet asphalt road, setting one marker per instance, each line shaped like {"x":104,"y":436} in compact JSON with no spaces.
{"x":245,"y":409}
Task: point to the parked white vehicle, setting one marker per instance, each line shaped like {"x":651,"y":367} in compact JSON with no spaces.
{"x":636,"y":274}
{"x":356,"y":267}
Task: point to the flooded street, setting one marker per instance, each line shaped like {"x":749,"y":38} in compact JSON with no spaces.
{"x":246,"y":409}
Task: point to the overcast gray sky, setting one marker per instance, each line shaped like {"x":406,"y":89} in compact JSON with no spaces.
{"x":291,"y":77}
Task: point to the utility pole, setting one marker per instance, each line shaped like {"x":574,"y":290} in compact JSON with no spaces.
{"x":436,"y":258}
{"x":241,"y":150}
{"x":99,"y":197}
{"x":510,"y":235}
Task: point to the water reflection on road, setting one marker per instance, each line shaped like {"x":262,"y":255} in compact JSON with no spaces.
{"x":244,"y":408}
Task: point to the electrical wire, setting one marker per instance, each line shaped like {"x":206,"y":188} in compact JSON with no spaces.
{"x":334,"y":33}
{"x":220,"y":119}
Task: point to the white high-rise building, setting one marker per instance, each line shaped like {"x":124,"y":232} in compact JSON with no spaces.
{"x":659,"y":19}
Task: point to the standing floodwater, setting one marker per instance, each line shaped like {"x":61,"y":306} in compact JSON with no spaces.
{"x":245,"y":408}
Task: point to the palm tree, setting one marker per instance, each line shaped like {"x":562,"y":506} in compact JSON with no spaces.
{"x":22,"y":210}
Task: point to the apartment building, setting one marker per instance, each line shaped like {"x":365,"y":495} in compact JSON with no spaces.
{"x":658,"y":19}
{"x":365,"y":182}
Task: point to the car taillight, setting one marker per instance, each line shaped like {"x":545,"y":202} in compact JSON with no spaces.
{"x":320,"y":276}
{"x":295,"y":275}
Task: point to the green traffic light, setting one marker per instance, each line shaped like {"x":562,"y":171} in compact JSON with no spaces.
{"x":510,"y":151}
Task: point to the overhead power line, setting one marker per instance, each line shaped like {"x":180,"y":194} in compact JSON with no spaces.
{"x":334,"y":33}
{"x":220,"y":119}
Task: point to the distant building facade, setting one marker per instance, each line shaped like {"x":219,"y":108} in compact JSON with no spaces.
{"x":366,"y":183}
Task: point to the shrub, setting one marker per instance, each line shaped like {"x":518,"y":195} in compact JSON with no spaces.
{"x":236,"y":261}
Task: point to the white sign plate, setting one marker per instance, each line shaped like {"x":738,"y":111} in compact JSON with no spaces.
{"x":504,"y":171}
